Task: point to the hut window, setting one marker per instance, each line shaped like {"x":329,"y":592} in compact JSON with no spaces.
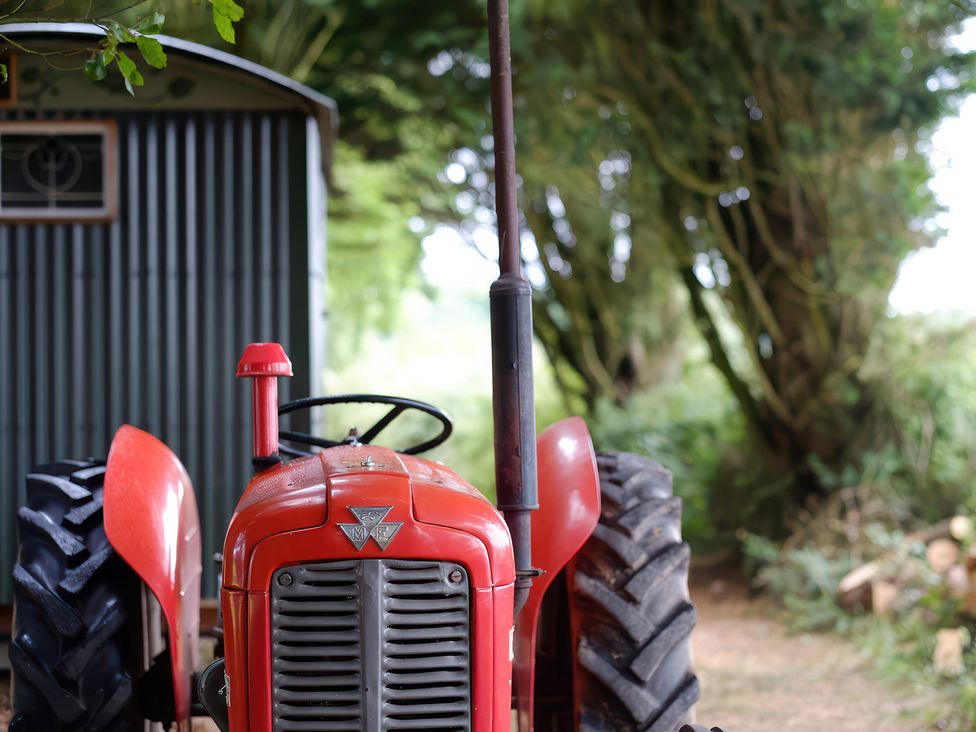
{"x":65,"y":170}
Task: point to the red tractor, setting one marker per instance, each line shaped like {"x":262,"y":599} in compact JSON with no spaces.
{"x":365,"y":589}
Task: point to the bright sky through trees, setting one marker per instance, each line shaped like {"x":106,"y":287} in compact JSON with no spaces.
{"x":942,"y":277}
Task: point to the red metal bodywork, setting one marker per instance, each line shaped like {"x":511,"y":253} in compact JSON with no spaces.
{"x":152,"y":523}
{"x":569,"y":509}
{"x":264,"y":363}
{"x":289,"y":514}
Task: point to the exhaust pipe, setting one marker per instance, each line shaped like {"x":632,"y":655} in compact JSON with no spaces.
{"x":513,"y":400}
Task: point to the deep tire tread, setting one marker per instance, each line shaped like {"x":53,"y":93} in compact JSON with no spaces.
{"x":644,"y":583}
{"x":78,"y":579}
{"x":647,"y":661}
{"x":56,"y":613}
{"x":630,"y":582}
{"x":29,"y":669}
{"x":650,"y":516}
{"x":70,"y":652}
{"x":66,"y":542}
{"x":677,"y":708}
{"x":86,"y":514}
{"x":39,"y":483}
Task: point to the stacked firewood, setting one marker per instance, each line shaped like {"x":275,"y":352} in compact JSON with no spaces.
{"x":943,"y":556}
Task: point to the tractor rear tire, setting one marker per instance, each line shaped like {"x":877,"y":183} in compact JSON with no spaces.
{"x":75,"y":602}
{"x":633,"y":616}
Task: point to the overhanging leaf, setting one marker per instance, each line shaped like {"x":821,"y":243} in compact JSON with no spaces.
{"x":119,"y":32}
{"x":129,"y":72}
{"x":225,"y":14}
{"x":224,"y":27}
{"x":152,"y":51}
{"x":229,"y":8}
{"x":151,"y":24}
{"x":94,"y":68}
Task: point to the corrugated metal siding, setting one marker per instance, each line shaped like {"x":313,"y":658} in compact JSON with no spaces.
{"x":142,"y":320}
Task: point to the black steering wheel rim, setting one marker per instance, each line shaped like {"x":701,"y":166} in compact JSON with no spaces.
{"x":399,"y":404}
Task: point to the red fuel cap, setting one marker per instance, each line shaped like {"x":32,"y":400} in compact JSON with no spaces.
{"x":264,"y":359}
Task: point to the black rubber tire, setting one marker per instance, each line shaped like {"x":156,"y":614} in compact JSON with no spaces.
{"x":630,"y":589}
{"x":74,"y":604}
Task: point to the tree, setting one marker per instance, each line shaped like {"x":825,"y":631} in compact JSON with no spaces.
{"x":749,"y":170}
{"x":770,"y":156}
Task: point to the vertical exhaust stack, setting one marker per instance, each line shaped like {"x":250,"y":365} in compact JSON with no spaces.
{"x":511,"y":324}
{"x":264,"y":363}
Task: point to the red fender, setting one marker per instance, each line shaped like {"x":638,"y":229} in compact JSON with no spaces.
{"x":569,"y":509}
{"x":151,"y":521}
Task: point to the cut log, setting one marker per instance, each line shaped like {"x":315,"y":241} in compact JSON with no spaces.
{"x":961,"y":528}
{"x":854,"y":591}
{"x":941,"y":554}
{"x":957,"y":580}
{"x":947,"y":658}
{"x":884,"y":595}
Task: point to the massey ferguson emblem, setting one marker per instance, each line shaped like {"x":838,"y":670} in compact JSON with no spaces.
{"x":371,"y":524}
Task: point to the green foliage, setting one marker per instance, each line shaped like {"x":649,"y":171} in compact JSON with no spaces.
{"x":866,"y":524}
{"x":372,"y":255}
{"x":766,"y":158}
{"x":804,"y":580}
{"x":921,"y":453}
{"x":121,"y":35}
{"x":109,"y":51}
{"x":95,"y":67}
{"x":151,"y":24}
{"x":124,"y":26}
{"x":396,"y":132}
{"x":129,"y":71}
{"x":370,"y":57}
{"x":225,"y":14}
{"x":931,"y":390}
{"x":902,"y":652}
{"x":152,"y":51}
{"x":691,"y":426}
{"x":633,"y":123}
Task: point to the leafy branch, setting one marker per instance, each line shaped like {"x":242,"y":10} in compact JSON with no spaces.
{"x":118,"y":37}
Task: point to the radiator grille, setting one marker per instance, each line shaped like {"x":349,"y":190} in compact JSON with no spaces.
{"x":371,"y":645}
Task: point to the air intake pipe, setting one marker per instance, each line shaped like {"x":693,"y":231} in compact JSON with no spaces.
{"x":264,"y":363}
{"x":511,"y":324}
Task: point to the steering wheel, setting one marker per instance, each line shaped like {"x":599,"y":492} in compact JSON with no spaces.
{"x":399,"y":405}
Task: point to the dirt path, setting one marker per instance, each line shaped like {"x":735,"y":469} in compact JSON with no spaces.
{"x":757,"y":678}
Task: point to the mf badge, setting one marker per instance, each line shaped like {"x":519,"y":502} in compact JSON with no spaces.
{"x":371,"y":524}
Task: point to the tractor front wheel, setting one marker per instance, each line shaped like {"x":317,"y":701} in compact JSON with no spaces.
{"x":633,"y":617}
{"x":75,"y":603}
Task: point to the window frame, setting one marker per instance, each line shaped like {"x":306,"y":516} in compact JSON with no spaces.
{"x":110,"y":170}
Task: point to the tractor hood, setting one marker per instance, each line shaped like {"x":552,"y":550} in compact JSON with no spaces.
{"x":362,"y":502}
